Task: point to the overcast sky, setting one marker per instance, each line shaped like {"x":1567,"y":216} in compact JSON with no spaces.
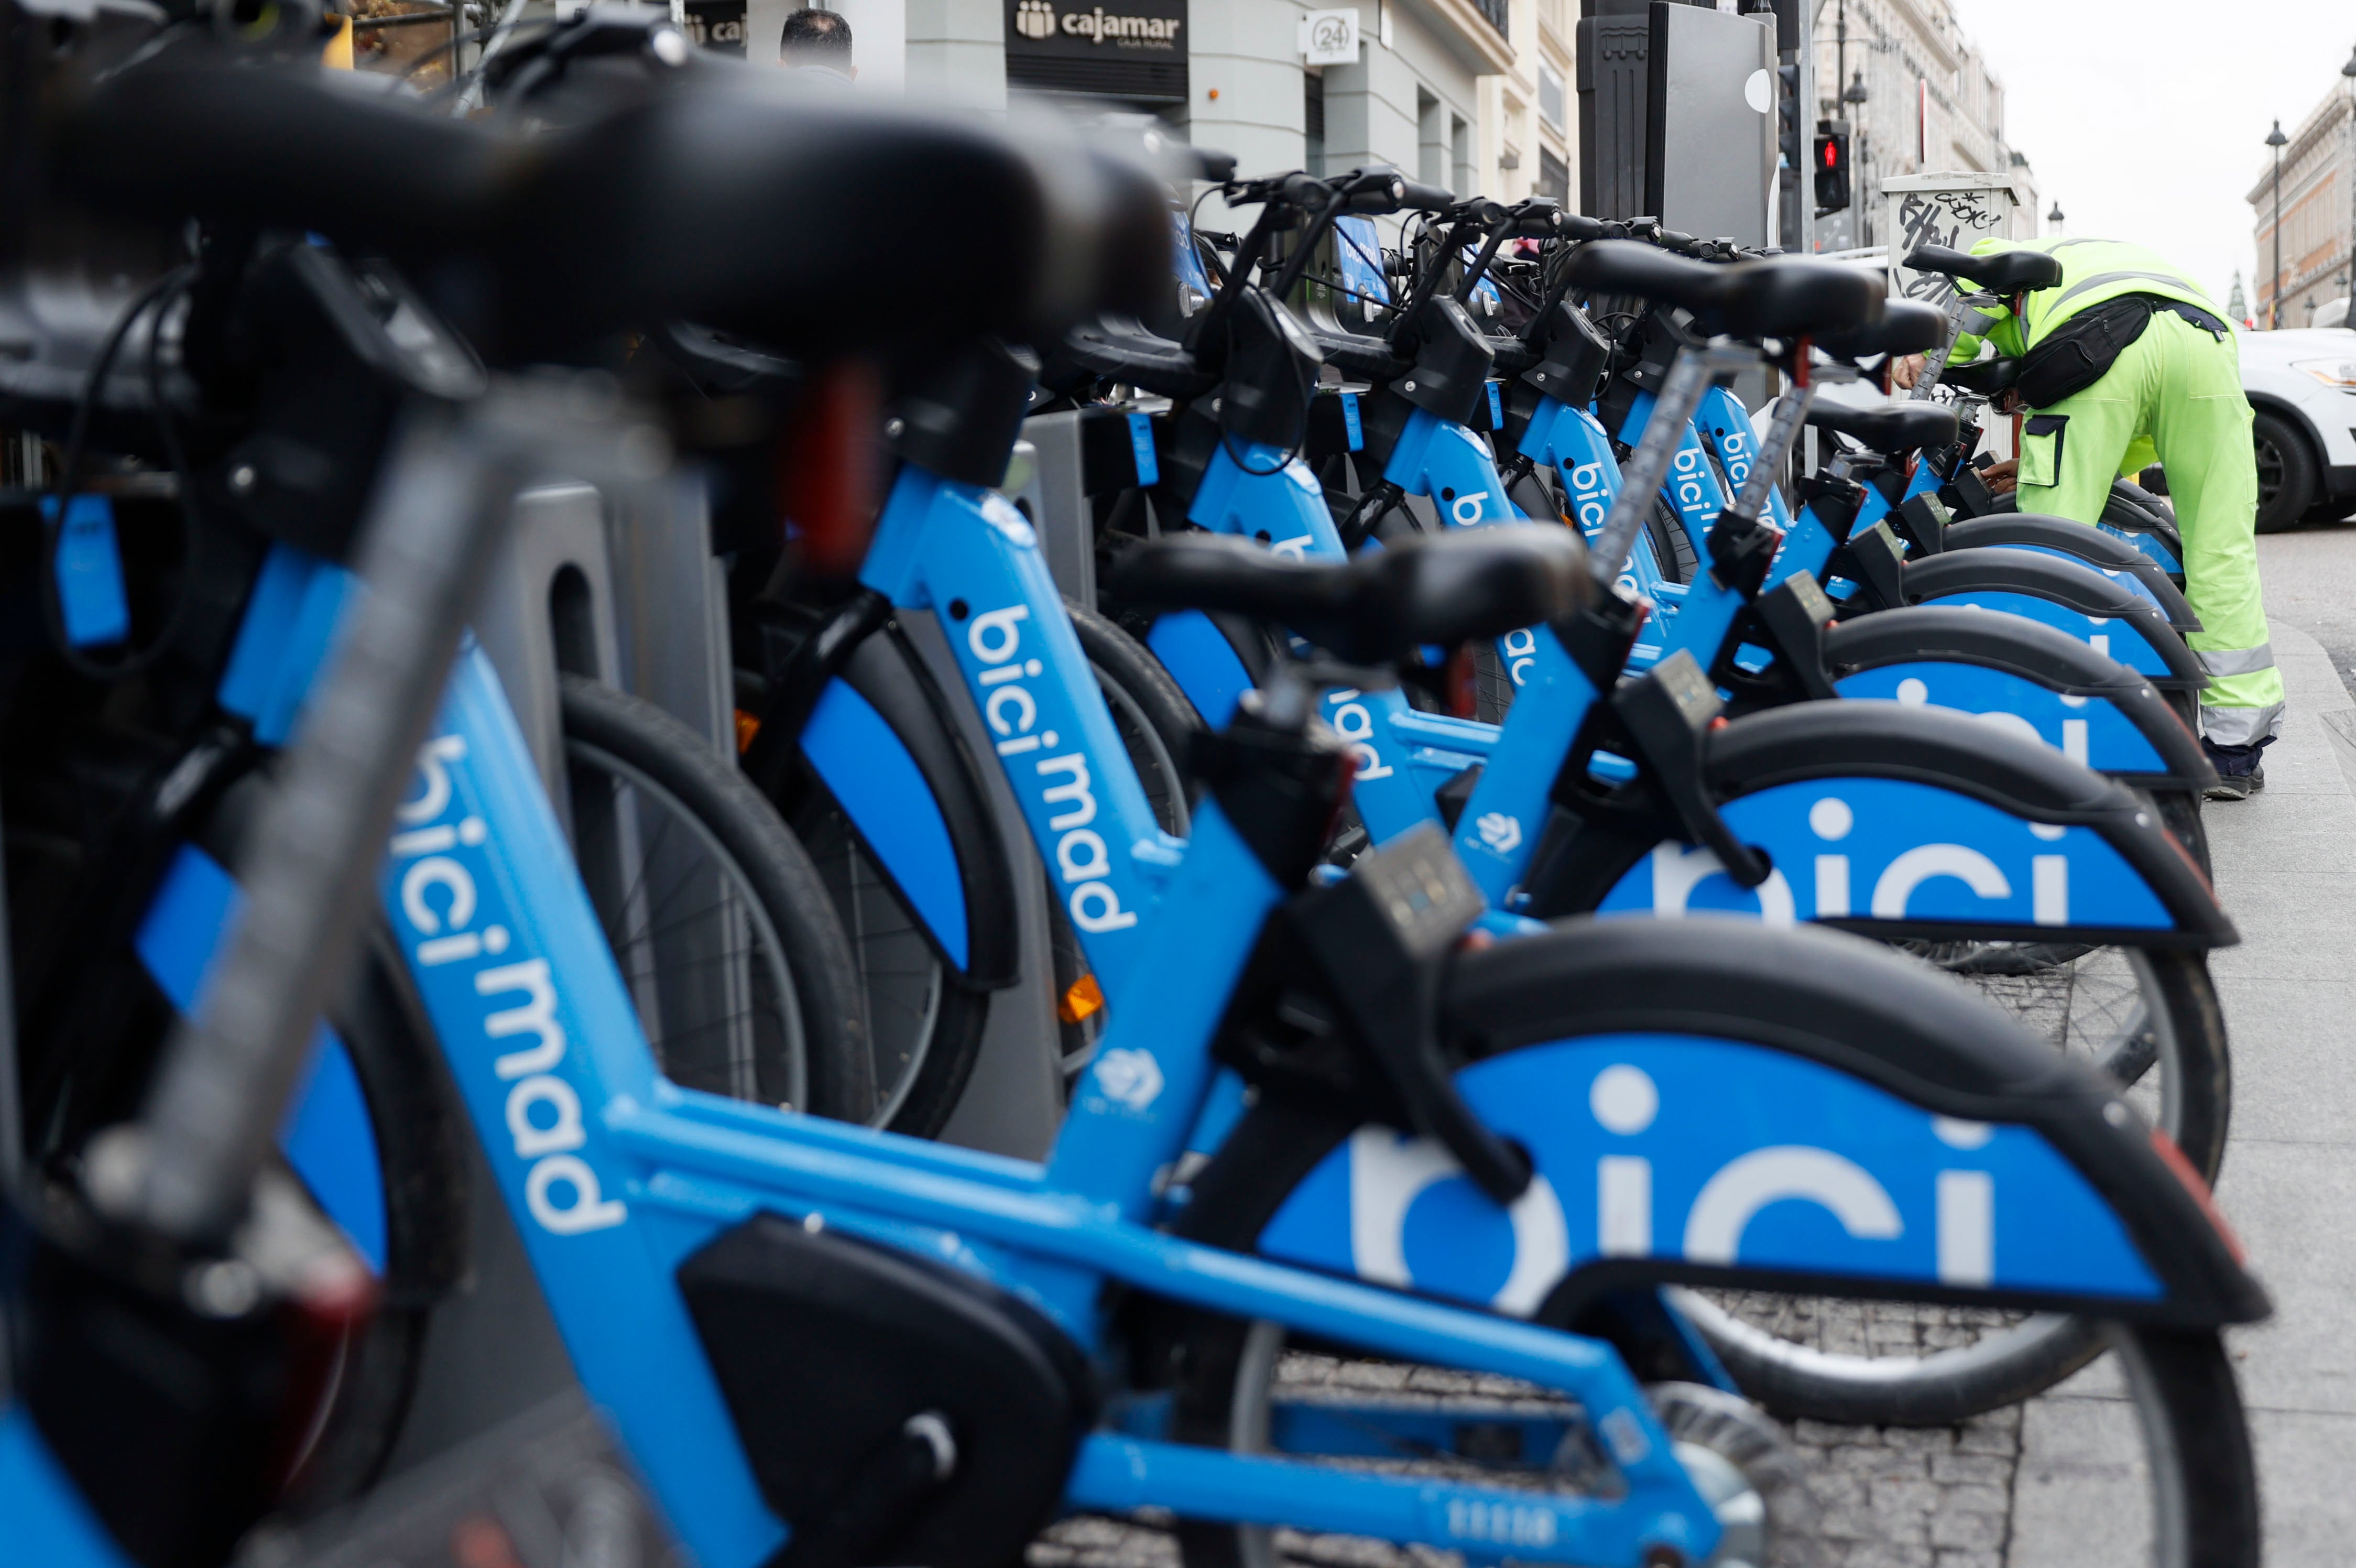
{"x":2147,"y":119}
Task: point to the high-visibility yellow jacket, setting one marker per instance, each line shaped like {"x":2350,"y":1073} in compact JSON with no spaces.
{"x":2093,"y":271}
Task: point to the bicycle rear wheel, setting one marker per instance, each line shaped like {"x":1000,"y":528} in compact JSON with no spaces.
{"x":2150,"y":1017}
{"x":722,"y":929}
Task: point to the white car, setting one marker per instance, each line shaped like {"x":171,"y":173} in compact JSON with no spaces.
{"x":2302,"y":384}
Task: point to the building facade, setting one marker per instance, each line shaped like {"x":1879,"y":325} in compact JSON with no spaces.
{"x":1473,"y":95}
{"x":1932,"y":105}
{"x":2318,"y":216}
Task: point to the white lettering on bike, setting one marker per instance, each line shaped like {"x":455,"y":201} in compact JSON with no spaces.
{"x":1503,"y":1524}
{"x":1355,"y":721}
{"x":439,"y":898}
{"x":1067,"y":792}
{"x":1521,"y":652}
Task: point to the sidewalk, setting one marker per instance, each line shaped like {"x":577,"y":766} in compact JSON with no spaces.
{"x":2286,"y":864}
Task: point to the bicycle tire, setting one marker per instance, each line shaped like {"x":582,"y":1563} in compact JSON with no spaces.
{"x":628,"y":737}
{"x":413,"y":1111}
{"x":925,"y":1022}
{"x":2182,"y":1393}
{"x":2025,"y":1357}
{"x":2179,"y":813}
{"x":1157,"y":724}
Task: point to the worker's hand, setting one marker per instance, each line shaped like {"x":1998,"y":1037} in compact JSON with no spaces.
{"x":1905,"y":372}
{"x":2003,"y":477}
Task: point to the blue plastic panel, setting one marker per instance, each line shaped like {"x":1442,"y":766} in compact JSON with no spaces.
{"x":1891,"y":849}
{"x":1707,"y":1152}
{"x":328,"y":1136}
{"x":881,"y":789}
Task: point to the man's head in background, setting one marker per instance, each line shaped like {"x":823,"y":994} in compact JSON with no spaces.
{"x":817,"y":40}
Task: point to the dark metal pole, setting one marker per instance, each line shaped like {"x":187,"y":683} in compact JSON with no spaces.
{"x":2275,"y":139}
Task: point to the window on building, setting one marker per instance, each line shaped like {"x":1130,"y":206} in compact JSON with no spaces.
{"x":1313,"y":122}
{"x":1550,"y":96}
{"x":1431,"y":140}
{"x":1461,"y":179}
{"x":1497,"y":13}
{"x":1554,"y":178}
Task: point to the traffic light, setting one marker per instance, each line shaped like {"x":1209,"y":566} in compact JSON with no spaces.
{"x":1832,"y":168}
{"x":1787,"y":116}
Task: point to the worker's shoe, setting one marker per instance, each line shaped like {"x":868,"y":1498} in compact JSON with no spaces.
{"x":2241,"y":769}
{"x":2237,"y":785}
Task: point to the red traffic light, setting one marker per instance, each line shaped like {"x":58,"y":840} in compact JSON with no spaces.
{"x":1832,"y":151}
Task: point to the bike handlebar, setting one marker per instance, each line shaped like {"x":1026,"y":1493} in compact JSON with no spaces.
{"x":1417,"y":196}
{"x":740,"y":204}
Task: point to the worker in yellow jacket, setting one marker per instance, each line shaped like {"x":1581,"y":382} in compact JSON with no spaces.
{"x":2148,"y":369}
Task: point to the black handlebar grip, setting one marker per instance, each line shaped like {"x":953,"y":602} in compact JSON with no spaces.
{"x":1417,"y":196}
{"x":1217,"y":167}
{"x":275,"y":147}
{"x":1305,"y":191}
{"x":1579,"y":228}
{"x":1374,"y":189}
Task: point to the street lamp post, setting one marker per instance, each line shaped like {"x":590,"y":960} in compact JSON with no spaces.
{"x":2348,"y":77}
{"x":1852,"y":107}
{"x":2275,"y":139}
{"x":2054,"y":216}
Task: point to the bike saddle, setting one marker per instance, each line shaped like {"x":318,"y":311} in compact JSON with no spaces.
{"x":1985,"y":379}
{"x":1447,"y":588}
{"x":2007,"y":271}
{"x":1906,"y":327}
{"x":1120,"y":348}
{"x":1784,"y":296}
{"x":1892,"y":429}
{"x":736,"y":205}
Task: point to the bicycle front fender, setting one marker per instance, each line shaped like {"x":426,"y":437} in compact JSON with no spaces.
{"x":2108,"y":553}
{"x":2068,"y":596}
{"x":1987,"y":665}
{"x":880,"y":743}
{"x":1768,"y":1110}
{"x":1901,"y":821}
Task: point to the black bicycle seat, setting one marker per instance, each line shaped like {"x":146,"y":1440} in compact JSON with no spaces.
{"x":1120,"y":347}
{"x":1906,"y":327}
{"x":731,"y":201}
{"x":1891,"y":430}
{"x":1985,"y":379}
{"x":2005,"y":272}
{"x":1782,"y":296}
{"x":1454,"y":587}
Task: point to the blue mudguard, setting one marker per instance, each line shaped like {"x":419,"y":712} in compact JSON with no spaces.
{"x":2068,"y":596}
{"x":2029,"y":678}
{"x":1202,"y":658}
{"x":1933,"y":1152}
{"x":869,"y":771}
{"x":327,"y":1137}
{"x":2015,"y":843}
{"x":2074,"y":541}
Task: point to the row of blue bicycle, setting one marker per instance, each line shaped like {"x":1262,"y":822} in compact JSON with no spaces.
{"x":1541,"y":883}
